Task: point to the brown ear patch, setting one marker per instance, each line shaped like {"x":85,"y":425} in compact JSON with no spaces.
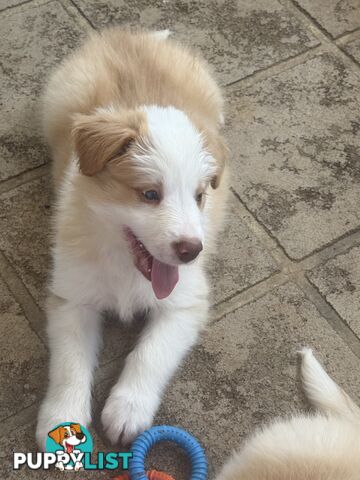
{"x":102,"y":136}
{"x":219,"y":150}
{"x":57,"y":434}
{"x":76,"y":427}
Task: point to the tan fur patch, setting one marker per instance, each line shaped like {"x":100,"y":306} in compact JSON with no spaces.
{"x":130,"y":70}
{"x":103,"y":136}
{"x":218,"y":149}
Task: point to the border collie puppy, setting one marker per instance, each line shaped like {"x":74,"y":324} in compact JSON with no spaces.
{"x":132,"y":120}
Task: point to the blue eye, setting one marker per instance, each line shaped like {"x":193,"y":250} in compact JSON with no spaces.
{"x":151,"y":196}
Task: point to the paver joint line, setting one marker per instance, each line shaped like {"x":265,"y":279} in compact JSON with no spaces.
{"x":32,"y":312}
{"x":324,"y":36}
{"x":9,"y":7}
{"x":83,"y":14}
{"x":330,"y":314}
{"x":274,"y":69}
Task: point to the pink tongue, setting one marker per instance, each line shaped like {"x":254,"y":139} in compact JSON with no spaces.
{"x":163,"y":278}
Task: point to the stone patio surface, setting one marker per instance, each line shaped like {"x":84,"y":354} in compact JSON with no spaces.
{"x":288,"y":271}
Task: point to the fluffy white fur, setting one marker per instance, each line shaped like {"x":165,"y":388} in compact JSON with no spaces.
{"x":325,"y":446}
{"x":93,"y":266}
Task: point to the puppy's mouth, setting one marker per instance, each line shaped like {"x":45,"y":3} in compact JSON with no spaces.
{"x":163,"y":277}
{"x":69,"y":448}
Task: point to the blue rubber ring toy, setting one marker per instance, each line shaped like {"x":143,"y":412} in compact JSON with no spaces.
{"x":141,"y":446}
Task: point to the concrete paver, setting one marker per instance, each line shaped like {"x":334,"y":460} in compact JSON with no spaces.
{"x":25,"y":232}
{"x":294,"y":138}
{"x":240,"y":261}
{"x":237,"y":37}
{"x":353,"y":49}
{"x":22,"y":358}
{"x":339,"y":281}
{"x":33,"y":40}
{"x":4,"y":4}
{"x":334,"y":16}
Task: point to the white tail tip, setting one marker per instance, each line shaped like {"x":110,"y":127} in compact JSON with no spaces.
{"x":162,"y":34}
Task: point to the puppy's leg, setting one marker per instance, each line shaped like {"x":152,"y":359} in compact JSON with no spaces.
{"x":73,"y":339}
{"x":134,"y":400}
{"x":323,"y":392}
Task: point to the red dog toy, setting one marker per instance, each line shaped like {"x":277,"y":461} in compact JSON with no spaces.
{"x":151,"y":475}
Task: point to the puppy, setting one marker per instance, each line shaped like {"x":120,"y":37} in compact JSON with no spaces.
{"x":69,"y":437}
{"x":132,"y":120}
{"x":324,"y":446}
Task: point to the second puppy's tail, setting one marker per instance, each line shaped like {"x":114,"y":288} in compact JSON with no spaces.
{"x":323,"y":392}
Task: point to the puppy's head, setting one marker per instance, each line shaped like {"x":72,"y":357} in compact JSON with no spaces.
{"x":154,"y":170}
{"x":68,"y":435}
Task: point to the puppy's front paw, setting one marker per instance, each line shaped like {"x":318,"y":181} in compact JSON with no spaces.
{"x":125,"y":415}
{"x":55,"y":410}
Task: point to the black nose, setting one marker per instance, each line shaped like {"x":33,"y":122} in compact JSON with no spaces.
{"x":80,"y":435}
{"x":187,"y":249}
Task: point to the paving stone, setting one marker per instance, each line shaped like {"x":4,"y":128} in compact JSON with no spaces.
{"x":339,"y":281}
{"x":25,"y":233}
{"x":118,"y":339}
{"x":244,"y":373}
{"x":237,"y":37}
{"x":294,"y":139}
{"x":353,"y":48}
{"x":240,"y":261}
{"x":4,"y":4}
{"x":22,"y":357}
{"x":33,"y":40}
{"x":337,"y":17}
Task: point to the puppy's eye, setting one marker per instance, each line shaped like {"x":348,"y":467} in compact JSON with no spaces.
{"x":151,"y":196}
{"x":199,"y":197}
{"x":66,"y":434}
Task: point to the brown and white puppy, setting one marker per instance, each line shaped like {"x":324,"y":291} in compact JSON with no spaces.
{"x":323,"y":446}
{"x":133,"y":122}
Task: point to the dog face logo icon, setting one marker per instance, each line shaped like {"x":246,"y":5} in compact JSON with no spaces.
{"x":69,"y":441}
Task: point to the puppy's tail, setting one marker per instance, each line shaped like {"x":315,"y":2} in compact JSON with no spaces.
{"x":323,"y":392}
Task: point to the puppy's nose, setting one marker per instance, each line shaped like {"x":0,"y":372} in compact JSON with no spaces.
{"x":187,"y":249}
{"x":80,"y":435}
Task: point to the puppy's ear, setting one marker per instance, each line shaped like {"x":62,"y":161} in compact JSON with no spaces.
{"x":104,"y":135}
{"x":76,"y":427}
{"x":57,"y":434}
{"x":219,"y":150}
